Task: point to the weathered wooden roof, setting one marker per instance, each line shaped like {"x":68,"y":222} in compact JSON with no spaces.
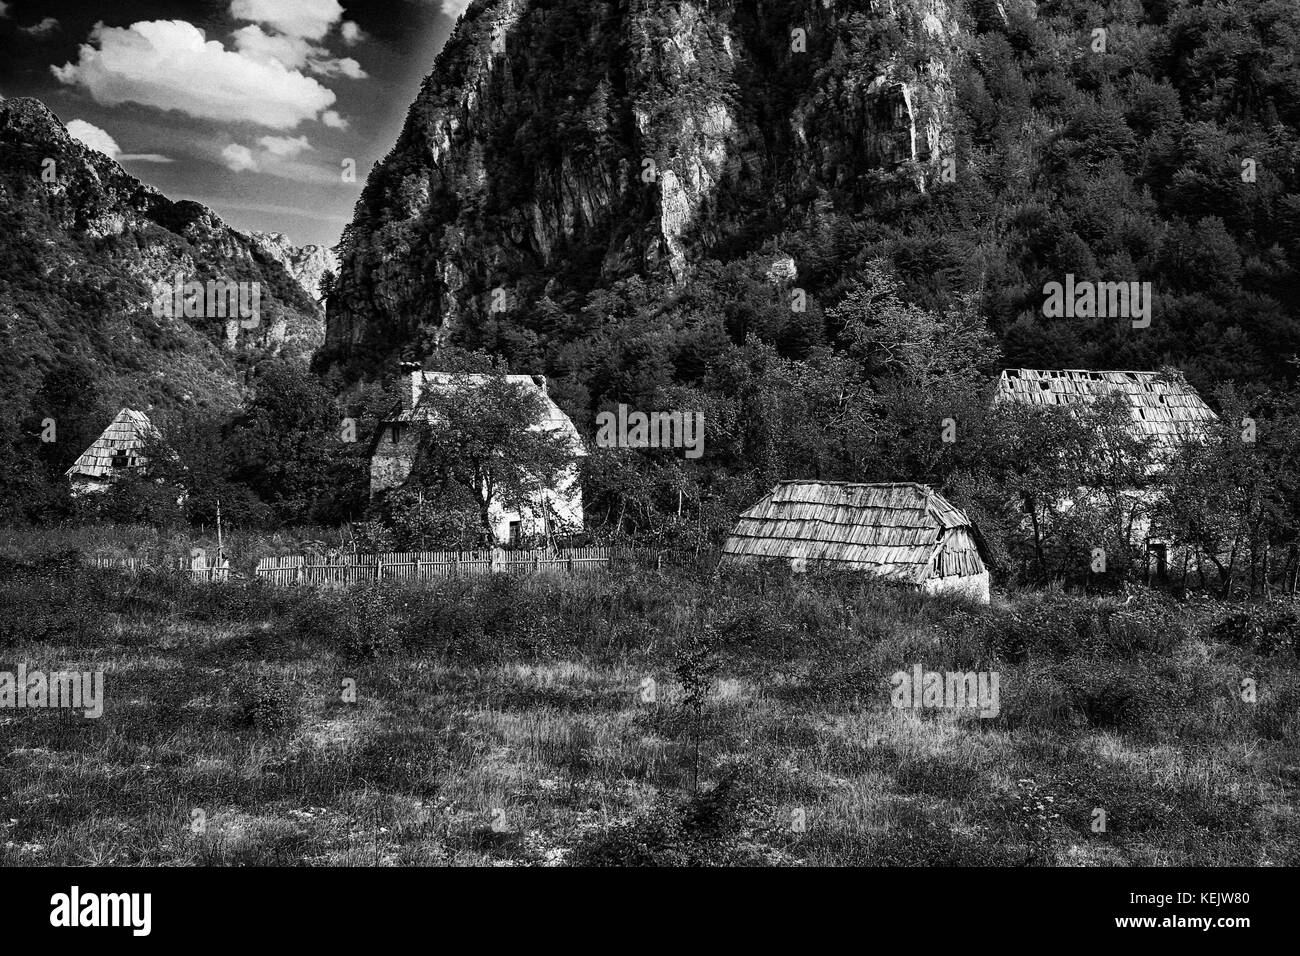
{"x":127,"y":432}
{"x":1166,"y":410}
{"x":896,"y":530}
{"x":425,"y":383}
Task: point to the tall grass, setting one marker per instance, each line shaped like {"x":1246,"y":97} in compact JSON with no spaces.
{"x":503,"y":719}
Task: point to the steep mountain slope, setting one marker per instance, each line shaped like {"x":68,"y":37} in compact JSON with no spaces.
{"x":82,"y":245}
{"x":583,"y":185}
{"x":566,"y":143}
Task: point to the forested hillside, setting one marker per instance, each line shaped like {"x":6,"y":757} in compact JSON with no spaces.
{"x":82,"y":244}
{"x":979,"y":147}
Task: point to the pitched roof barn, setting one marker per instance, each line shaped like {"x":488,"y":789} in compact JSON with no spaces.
{"x":1163,"y":408}
{"x":904,"y":532}
{"x":118,"y":449}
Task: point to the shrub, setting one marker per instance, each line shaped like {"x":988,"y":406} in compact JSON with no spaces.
{"x":266,"y":704}
{"x":1265,"y":629}
{"x":1116,"y":696}
{"x":370,"y":627}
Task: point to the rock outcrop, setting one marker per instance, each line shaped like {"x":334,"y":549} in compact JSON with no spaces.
{"x":307,"y":264}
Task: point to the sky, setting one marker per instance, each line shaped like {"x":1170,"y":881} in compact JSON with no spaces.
{"x":251,"y":107}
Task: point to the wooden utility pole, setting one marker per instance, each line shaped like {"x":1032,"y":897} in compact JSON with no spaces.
{"x":221,"y":551}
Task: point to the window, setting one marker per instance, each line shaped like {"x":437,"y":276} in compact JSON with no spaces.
{"x":121,"y":458}
{"x":516,"y":532}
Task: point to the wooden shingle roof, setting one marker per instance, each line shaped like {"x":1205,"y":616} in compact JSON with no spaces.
{"x":895,"y":530}
{"x":1166,"y":410}
{"x":125,"y":435}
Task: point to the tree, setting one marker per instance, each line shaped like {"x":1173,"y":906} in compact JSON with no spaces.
{"x":29,"y":490}
{"x":286,"y":442}
{"x":194,"y":457}
{"x":484,"y":435}
{"x":1049,"y":484}
{"x":1232,"y":499}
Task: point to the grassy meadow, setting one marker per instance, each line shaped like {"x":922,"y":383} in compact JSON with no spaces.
{"x":512,"y":721}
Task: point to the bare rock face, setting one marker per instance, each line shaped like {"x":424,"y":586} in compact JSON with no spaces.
{"x":307,"y":264}
{"x":566,"y":144}
{"x":782,"y":271}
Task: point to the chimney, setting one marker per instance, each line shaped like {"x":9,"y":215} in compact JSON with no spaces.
{"x":417,"y":379}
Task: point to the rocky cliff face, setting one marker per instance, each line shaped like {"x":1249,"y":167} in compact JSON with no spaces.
{"x":561,"y":145}
{"x":306,"y":264}
{"x":83,"y":247}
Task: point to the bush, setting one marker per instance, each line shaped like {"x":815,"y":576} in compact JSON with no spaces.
{"x":1114,"y":696}
{"x":266,"y":704}
{"x":370,"y":628}
{"x":1264,"y":629}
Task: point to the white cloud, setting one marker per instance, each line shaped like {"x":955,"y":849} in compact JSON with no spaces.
{"x":284,"y":145}
{"x":346,"y":67}
{"x":351,"y":33}
{"x":254,"y":43}
{"x":238,"y":158}
{"x":333,"y":120}
{"x":454,"y":8}
{"x":169,"y":64}
{"x":91,"y":135}
{"x":94,"y":137}
{"x":295,"y":53}
{"x":4,"y":10}
{"x":300,"y":18}
{"x":42,"y":29}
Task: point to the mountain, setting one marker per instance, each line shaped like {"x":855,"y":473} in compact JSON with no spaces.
{"x":83,"y":245}
{"x":307,"y":264}
{"x":566,"y":143}
{"x":644,"y":181}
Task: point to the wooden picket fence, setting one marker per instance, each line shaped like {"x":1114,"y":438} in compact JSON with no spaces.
{"x":194,"y":570}
{"x":343,"y":569}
